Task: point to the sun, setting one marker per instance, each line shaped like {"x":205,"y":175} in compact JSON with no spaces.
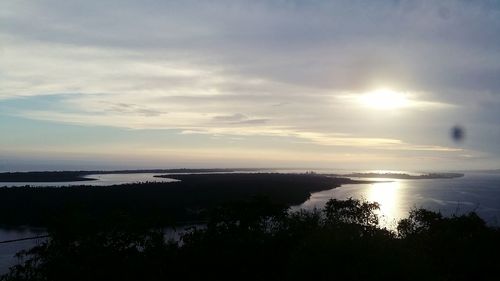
{"x":384,"y":99}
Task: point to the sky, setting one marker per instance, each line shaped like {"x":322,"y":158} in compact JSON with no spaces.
{"x":286,"y":83}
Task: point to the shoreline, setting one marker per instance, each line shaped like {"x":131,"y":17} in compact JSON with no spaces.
{"x":76,"y":176}
{"x":191,"y":198}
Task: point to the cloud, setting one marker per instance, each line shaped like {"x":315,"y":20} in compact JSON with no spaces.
{"x":321,"y":44}
{"x":230,"y":118}
{"x":291,"y":69}
{"x":238,"y":118}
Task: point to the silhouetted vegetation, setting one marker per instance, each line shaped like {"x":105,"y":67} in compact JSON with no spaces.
{"x":43,"y":177}
{"x":257,"y":239}
{"x":186,"y":200}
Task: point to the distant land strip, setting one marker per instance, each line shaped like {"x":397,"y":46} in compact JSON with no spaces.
{"x":67,"y":176}
{"x":72,"y":176}
{"x":404,"y":176}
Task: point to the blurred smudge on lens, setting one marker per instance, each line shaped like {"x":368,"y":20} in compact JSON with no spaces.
{"x":457,"y":133}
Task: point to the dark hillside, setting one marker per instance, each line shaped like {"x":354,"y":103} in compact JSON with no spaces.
{"x":173,"y":202}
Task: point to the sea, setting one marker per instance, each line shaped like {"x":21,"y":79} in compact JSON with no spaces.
{"x":475,"y":192}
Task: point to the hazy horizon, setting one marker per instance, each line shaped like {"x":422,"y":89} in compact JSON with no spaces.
{"x":361,"y":85}
{"x":54,"y":167}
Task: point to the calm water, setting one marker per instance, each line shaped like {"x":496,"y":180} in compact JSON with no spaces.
{"x":100,"y":180}
{"x":8,"y":250}
{"x":474,"y":192}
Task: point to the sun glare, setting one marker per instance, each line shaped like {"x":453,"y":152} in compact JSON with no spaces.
{"x":384,"y":99}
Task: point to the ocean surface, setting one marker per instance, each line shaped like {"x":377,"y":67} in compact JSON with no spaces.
{"x":479,"y":192}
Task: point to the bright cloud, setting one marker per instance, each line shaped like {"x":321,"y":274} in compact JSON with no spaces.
{"x":303,"y":72}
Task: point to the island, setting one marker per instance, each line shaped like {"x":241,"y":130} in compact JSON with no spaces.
{"x":404,"y":176}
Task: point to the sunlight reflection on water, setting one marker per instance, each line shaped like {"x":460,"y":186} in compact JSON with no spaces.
{"x":478,"y":192}
{"x":387,"y":194}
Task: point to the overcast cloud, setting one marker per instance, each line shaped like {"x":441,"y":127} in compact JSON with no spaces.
{"x":291,"y":70}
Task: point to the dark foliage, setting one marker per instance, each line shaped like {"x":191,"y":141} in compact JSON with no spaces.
{"x":186,"y":200}
{"x":258,"y":239}
{"x":42,"y":177}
